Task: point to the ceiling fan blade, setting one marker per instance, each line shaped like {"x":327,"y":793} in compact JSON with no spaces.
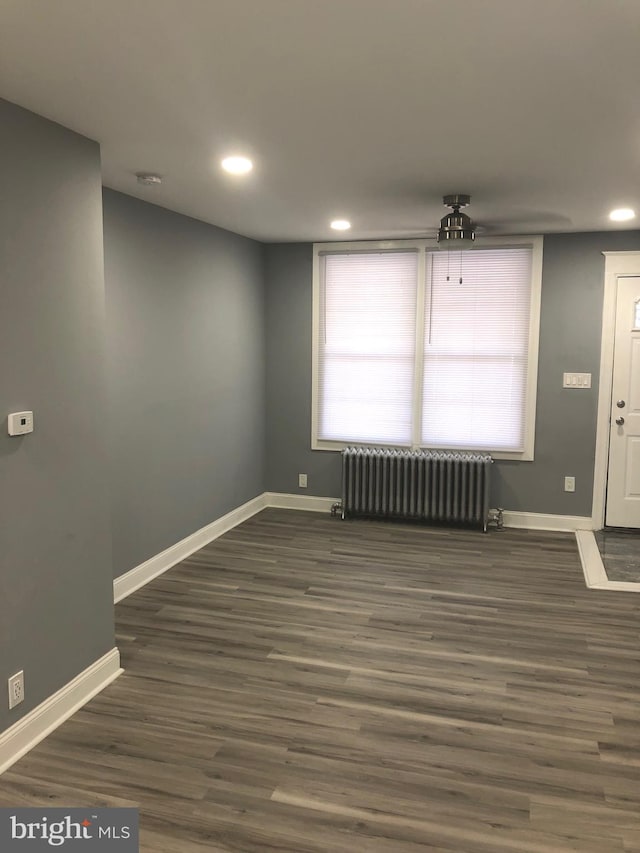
{"x":523,"y":220}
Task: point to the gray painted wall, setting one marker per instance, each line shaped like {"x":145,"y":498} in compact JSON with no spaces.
{"x":186,"y":374}
{"x":571,"y":318}
{"x":56,"y":599}
{"x":288,"y":270}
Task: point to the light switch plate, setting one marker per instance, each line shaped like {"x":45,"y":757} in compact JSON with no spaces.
{"x":576,"y":380}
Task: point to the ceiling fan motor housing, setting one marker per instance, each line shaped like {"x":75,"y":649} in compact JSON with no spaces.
{"x":456,"y":225}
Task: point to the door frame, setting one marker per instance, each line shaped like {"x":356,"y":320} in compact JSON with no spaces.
{"x":616,"y":265}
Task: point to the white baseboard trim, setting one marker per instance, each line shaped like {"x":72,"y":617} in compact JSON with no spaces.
{"x":17,"y":740}
{"x":158,"y":565}
{"x":544,"y":521}
{"x":595,"y":576}
{"x":525,"y":520}
{"x":310,"y":503}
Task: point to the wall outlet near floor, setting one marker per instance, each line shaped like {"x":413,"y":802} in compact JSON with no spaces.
{"x":16,"y":689}
{"x":302,"y":481}
{"x":569,"y":484}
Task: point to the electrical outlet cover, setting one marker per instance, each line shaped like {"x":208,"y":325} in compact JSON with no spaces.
{"x":16,"y":689}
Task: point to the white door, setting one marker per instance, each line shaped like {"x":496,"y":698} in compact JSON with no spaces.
{"x":623,"y":484}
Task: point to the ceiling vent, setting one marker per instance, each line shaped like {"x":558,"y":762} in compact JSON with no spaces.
{"x":149,"y":180}
{"x":456,"y":231}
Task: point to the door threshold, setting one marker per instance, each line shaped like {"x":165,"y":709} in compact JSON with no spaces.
{"x":595,"y":576}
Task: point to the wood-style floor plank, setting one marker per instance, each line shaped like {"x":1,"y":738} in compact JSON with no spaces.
{"x":310,"y":685}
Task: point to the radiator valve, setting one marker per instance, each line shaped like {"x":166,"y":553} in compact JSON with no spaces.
{"x":495,"y":517}
{"x":336,"y":509}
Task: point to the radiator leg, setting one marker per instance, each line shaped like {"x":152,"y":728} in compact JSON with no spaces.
{"x":495,"y":516}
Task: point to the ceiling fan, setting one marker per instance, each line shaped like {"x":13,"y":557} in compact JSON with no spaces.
{"x":457,"y":230}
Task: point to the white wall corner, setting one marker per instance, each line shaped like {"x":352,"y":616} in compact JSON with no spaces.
{"x":160,"y":563}
{"x":17,"y":740}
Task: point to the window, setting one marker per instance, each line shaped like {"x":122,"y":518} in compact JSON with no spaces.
{"x":419,"y":347}
{"x":367,"y":347}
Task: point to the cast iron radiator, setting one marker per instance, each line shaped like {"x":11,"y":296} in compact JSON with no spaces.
{"x":426,"y":485}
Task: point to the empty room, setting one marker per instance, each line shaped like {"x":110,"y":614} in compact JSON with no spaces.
{"x":320,"y":455}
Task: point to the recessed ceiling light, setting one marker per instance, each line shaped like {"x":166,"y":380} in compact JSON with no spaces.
{"x":237,"y":165}
{"x":341,"y":225}
{"x":622,"y":214}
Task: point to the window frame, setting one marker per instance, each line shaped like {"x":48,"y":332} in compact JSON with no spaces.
{"x":424,"y":248}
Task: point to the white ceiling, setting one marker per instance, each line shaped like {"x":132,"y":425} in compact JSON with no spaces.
{"x":364,"y":109}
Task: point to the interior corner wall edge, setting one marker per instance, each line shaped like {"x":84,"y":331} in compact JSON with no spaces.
{"x":570,"y":331}
{"x":56,"y":605}
{"x":185,"y":367}
{"x":288,"y":315}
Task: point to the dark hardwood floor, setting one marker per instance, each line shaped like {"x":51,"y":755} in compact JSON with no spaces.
{"x":307,"y":684}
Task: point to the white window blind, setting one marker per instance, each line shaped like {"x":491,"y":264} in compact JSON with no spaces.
{"x":419,"y":347}
{"x":366,"y":347}
{"x":476,"y":347}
